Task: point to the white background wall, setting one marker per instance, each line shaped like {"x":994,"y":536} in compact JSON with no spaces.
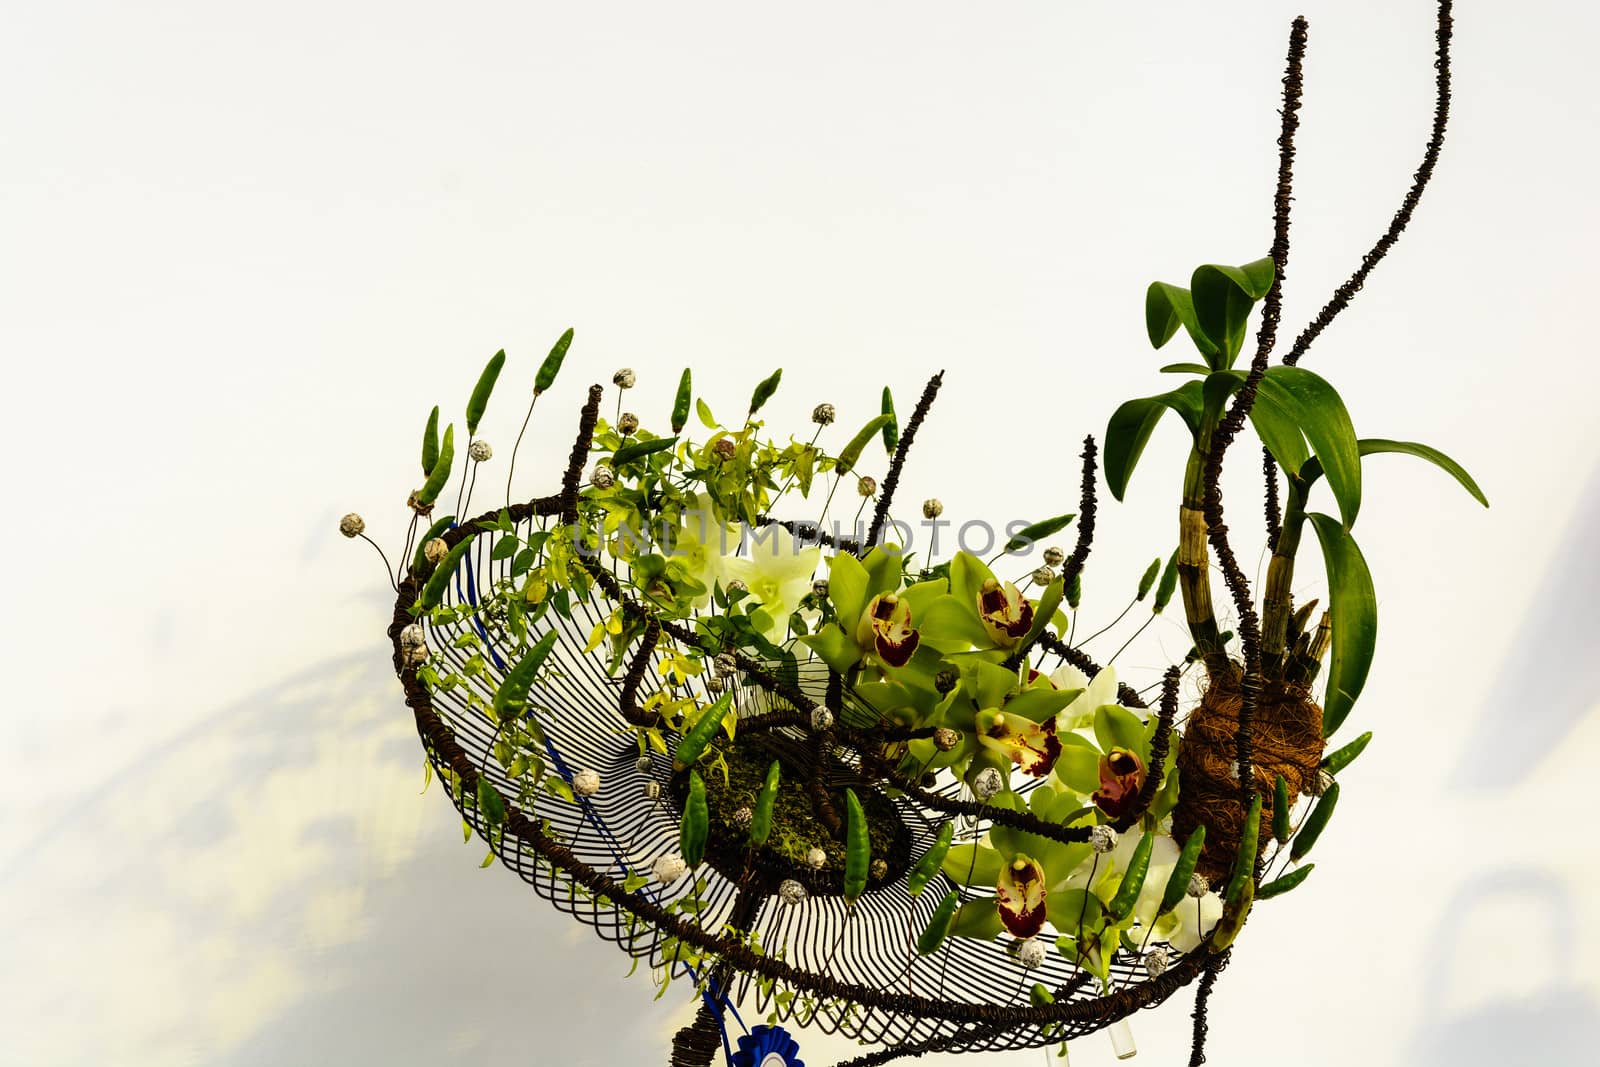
{"x":244,"y":249}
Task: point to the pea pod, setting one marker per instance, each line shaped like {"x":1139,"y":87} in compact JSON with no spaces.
{"x":1149,"y":578}
{"x":891,"y":429}
{"x":433,"y":591}
{"x":441,"y":468}
{"x":1338,"y":761}
{"x":478,"y":403}
{"x":698,"y":736}
{"x":512,"y":695}
{"x":939,"y":924}
{"x":639,"y":449}
{"x":1280,"y":810}
{"x":1312,"y":828}
{"x":1169,"y":583}
{"x":765,"y":390}
{"x":552,"y":364}
{"x":1286,"y":883}
{"x":1127,"y":894}
{"x":430,"y":442}
{"x":852,"y":451}
{"x":1244,"y":863}
{"x":1040,"y":996}
{"x":1038,"y":531}
{"x":680,"y":406}
{"x":857,"y":848}
{"x":1178,"y":883}
{"x":696,"y":822}
{"x":931,"y":860}
{"x":1233,"y":917}
{"x":761,"y":815}
{"x":420,"y":559}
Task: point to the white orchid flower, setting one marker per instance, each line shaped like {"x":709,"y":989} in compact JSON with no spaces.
{"x":1195,"y":918}
{"x":778,"y":574}
{"x":1080,"y":713}
{"x":704,"y":546}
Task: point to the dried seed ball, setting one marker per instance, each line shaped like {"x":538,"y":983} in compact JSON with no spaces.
{"x":725,"y":448}
{"x":932,"y":508}
{"x":479,"y":451}
{"x":791,"y":891}
{"x":668,"y":869}
{"x":742,"y":817}
{"x":624,"y":378}
{"x":435,"y":550}
{"x":714,"y":684}
{"x":867,"y":485}
{"x":816,"y":859}
{"x":821,"y":719}
{"x":1198,"y":886}
{"x":737,"y":586}
{"x":1031,"y":953}
{"x":412,"y":636}
{"x":1043,"y":575}
{"x":352,"y":525}
{"x":586,"y":783}
{"x":879,"y":870}
{"x":1102,"y":838}
{"x":652,"y":790}
{"x":627,"y":423}
{"x":642,"y":764}
{"x":726,"y":663}
{"x":946,"y":739}
{"x":1054,"y":557}
{"x":823,"y":414}
{"x":987,"y":783}
{"x":819,"y":588}
{"x":946,"y":680}
{"x":1156,"y":962}
{"x":414,"y":657}
{"x":603,"y":477}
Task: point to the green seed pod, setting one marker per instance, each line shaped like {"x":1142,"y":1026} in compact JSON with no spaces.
{"x":891,"y":429}
{"x":1075,"y":591}
{"x":1338,"y":761}
{"x":552,"y":364}
{"x":680,"y":406}
{"x":1312,"y":828}
{"x":938,"y":926}
{"x":418,"y":560}
{"x":761,"y":815}
{"x":931,"y":860}
{"x":1286,"y":883}
{"x":1178,"y":883}
{"x":1233,"y":917}
{"x":1127,"y":894}
{"x":430,"y":442}
{"x":1244,"y":863}
{"x":857,"y":850}
{"x":639,"y":449}
{"x":1040,"y":996}
{"x":764,"y":391}
{"x":1149,"y":578}
{"x":1280,"y":810}
{"x":441,"y":468}
{"x":698,"y":736}
{"x":478,"y":403}
{"x":1169,"y":582}
{"x":852,"y":451}
{"x":696,"y":822}
{"x":433,"y":591}
{"x":512,"y":696}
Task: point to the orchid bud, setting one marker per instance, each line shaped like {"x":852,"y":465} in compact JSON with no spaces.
{"x":946,"y":739}
{"x":1198,"y":885}
{"x":821,"y":719}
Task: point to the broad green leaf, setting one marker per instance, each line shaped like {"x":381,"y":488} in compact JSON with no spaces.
{"x":1353,"y":607}
{"x":1131,"y":425}
{"x":1223,"y":298}
{"x":1277,"y":426}
{"x":1370,"y":446}
{"x":1186,"y":368}
{"x":1045,"y":609}
{"x":430,"y":442}
{"x":764,"y":391}
{"x":1317,"y":409}
{"x":1166,"y":307}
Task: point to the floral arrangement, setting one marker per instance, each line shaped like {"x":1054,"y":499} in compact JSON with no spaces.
{"x":713,"y":685}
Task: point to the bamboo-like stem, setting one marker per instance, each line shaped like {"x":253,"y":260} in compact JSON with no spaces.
{"x":1277,"y":601}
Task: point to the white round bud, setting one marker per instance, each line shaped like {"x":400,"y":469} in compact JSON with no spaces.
{"x":867,"y":485}
{"x":627,"y":422}
{"x":412,"y":636}
{"x":725,"y":663}
{"x":586,"y":783}
{"x":932,"y":508}
{"x":823,"y":414}
{"x":816,"y":859}
{"x":1102,"y":838}
{"x":1198,"y":885}
{"x":821,"y":719}
{"x":1054,"y":557}
{"x":435,"y":550}
{"x":1031,"y":953}
{"x":987,"y":783}
{"x":603,"y":477}
{"x":480,"y":451}
{"x":1156,"y":962}
{"x":352,"y":525}
{"x":668,"y":869}
{"x":791,"y":891}
{"x":625,"y":378}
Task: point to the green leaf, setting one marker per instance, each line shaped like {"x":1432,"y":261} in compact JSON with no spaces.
{"x":552,"y":364}
{"x":491,"y":805}
{"x":1370,"y":446}
{"x":852,"y":451}
{"x":891,"y":429}
{"x":1131,"y":425}
{"x":1317,"y":409}
{"x":1223,"y":298}
{"x":1186,"y":368}
{"x":512,"y":695}
{"x":1045,"y":610}
{"x":430,"y":442}
{"x":478,"y":403}
{"x":1038,"y":531}
{"x":765,"y":390}
{"x":1166,"y":307}
{"x":704,"y":412}
{"x":1353,"y":606}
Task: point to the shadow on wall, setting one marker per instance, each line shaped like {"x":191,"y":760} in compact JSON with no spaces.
{"x":269,"y":888}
